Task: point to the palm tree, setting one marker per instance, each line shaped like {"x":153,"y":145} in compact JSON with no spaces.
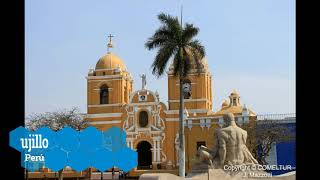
{"x":173,"y":40}
{"x":60,"y":174}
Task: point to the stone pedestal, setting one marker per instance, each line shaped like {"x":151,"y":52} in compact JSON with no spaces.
{"x":154,"y":165}
{"x":159,"y":176}
{"x":213,"y":174}
{"x":169,"y":165}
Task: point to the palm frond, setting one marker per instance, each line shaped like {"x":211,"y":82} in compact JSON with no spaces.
{"x":162,"y":58}
{"x":169,"y":31}
{"x":172,"y":23}
{"x":198,"y":53}
{"x":187,"y":61}
{"x":162,"y":35}
{"x":168,"y":20}
{"x":171,"y":37}
{"x":189,"y":32}
{"x":155,"y":42}
{"x":196,"y":46}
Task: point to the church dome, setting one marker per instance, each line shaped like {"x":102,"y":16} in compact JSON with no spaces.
{"x":110,"y":61}
{"x":234,"y":93}
{"x":225,"y":104}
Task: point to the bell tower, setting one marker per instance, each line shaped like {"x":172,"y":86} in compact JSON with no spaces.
{"x":197,"y":89}
{"x":108,"y":87}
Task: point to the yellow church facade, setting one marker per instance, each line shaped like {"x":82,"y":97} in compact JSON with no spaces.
{"x":152,"y":126}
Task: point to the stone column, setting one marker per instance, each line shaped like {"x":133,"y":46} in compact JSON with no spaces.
{"x":158,"y":150}
{"x":154,"y":150}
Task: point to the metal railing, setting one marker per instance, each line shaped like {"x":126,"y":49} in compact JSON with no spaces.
{"x":289,"y":116}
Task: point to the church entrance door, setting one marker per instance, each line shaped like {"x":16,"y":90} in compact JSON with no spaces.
{"x":144,"y":155}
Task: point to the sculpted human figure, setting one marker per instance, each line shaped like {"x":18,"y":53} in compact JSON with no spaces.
{"x":230,"y":146}
{"x":144,"y":80}
{"x":232,"y":149}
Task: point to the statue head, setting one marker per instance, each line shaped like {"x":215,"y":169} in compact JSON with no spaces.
{"x":228,"y":118}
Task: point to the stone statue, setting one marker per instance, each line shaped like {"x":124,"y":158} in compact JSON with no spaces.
{"x":230,"y":150}
{"x":204,"y":155}
{"x":144,"y":80}
{"x":230,"y":146}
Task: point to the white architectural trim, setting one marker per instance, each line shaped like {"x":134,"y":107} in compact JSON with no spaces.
{"x":143,"y":104}
{"x":105,"y":105}
{"x":191,"y":111}
{"x":156,"y":132}
{"x":105,"y":122}
{"x":108,"y":69}
{"x":109,"y":79}
{"x":131,"y":132}
{"x":106,"y":76}
{"x":157,"y":138}
{"x":172,"y":119}
{"x":144,"y":90}
{"x":104,"y":80}
{"x":188,"y":100}
{"x":98,"y":89}
{"x":103,"y":115}
{"x":206,"y":120}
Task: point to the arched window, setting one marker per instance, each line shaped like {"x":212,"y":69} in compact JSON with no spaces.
{"x":143,"y":119}
{"x":104,"y":95}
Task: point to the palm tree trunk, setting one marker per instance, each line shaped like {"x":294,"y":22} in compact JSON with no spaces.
{"x":181,"y":127}
{"x":27,"y":178}
{"x":60,"y":174}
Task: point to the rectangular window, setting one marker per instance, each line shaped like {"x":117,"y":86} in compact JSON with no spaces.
{"x":199,"y":143}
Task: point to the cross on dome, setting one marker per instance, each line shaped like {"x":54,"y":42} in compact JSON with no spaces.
{"x":110,"y":45}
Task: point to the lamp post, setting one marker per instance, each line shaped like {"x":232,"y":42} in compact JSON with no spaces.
{"x":181,"y":135}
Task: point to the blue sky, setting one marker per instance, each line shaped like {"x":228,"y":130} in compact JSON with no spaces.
{"x":250,"y":47}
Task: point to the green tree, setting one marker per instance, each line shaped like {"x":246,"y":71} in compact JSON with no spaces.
{"x":175,"y":41}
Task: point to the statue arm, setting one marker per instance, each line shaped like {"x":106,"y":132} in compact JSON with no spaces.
{"x":216,"y":143}
{"x":222,"y":147}
{"x":245,"y":135}
{"x":206,"y":149}
{"x":222,"y":151}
